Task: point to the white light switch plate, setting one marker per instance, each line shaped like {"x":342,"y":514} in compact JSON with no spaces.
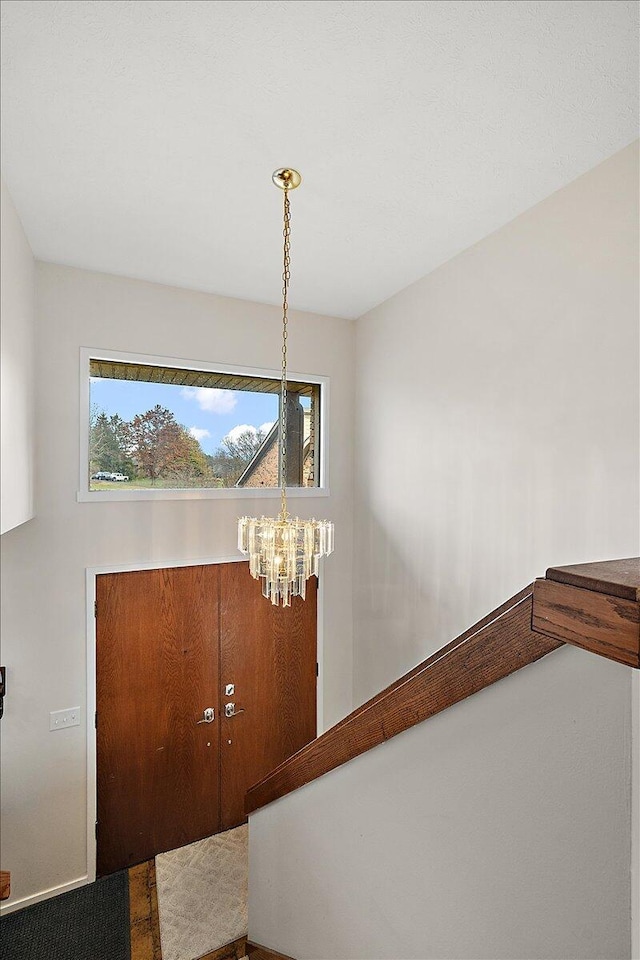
{"x":60,"y":719}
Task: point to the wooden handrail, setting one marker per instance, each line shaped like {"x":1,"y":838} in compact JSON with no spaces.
{"x":593,"y":606}
{"x":597,"y":609}
{"x":617,"y":578}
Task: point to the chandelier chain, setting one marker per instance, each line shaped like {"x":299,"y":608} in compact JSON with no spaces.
{"x":286,"y":277}
{"x":284,"y":551}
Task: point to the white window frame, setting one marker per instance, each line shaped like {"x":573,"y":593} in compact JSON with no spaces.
{"x":122,"y":492}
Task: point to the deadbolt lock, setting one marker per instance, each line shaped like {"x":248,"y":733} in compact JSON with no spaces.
{"x":230,"y":689}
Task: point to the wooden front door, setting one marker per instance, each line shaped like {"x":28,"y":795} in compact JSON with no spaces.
{"x":168,"y":643}
{"x":268,"y":654}
{"x":157,"y":669}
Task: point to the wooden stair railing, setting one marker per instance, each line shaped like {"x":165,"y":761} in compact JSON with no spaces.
{"x":594,"y":606}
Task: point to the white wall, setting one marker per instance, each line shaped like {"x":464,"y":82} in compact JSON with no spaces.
{"x":497,"y":422}
{"x":496,"y":435}
{"x":16,"y":377}
{"x":44,"y":563}
{"x":497,"y":830}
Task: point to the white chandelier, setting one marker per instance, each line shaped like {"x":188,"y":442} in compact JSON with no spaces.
{"x":284,"y":551}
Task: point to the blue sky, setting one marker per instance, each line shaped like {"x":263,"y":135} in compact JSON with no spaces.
{"x":207,"y":413}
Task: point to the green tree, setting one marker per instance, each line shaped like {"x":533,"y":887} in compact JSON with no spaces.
{"x":108,"y":443}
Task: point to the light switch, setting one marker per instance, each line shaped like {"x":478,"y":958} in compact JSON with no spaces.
{"x":60,"y":719}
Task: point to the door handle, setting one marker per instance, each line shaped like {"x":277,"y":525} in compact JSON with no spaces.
{"x":230,"y":710}
{"x":208,"y":716}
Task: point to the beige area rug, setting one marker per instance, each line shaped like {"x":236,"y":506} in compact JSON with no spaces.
{"x":202,"y":894}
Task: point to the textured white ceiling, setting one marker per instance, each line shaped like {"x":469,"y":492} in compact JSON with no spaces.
{"x":140,"y":137}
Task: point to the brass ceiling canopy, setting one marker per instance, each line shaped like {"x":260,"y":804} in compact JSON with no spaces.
{"x":286,"y":178}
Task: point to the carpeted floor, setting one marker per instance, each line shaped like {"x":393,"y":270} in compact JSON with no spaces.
{"x":202,"y":895}
{"x":90,"y":923}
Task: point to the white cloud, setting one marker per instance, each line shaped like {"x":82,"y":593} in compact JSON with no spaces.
{"x":211,"y":399}
{"x":198,"y":433}
{"x":236,"y":432}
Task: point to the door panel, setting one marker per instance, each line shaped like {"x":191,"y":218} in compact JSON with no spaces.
{"x":269,"y":654}
{"x":157,"y":661}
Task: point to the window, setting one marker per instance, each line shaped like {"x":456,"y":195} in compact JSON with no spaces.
{"x":157,"y":428}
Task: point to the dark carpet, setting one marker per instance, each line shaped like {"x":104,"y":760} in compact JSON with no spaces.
{"x":90,"y":923}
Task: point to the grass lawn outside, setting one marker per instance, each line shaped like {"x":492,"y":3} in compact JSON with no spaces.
{"x":143,"y":483}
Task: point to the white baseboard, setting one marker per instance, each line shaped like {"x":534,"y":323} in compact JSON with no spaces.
{"x":43,"y":895}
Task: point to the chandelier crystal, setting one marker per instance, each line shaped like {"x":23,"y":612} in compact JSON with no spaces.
{"x":284,"y":551}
